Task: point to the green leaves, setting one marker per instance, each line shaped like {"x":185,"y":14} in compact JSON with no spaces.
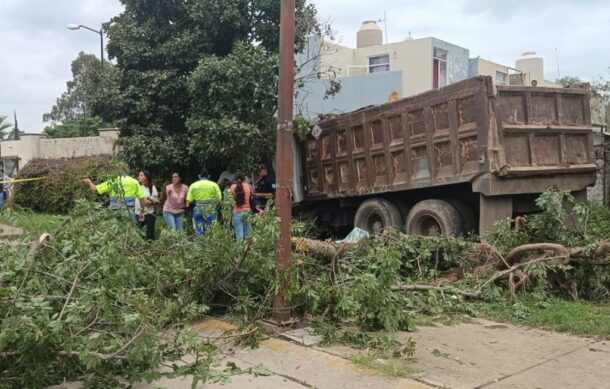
{"x":198,"y":81}
{"x":59,"y":191}
{"x":234,"y":102}
{"x":260,"y":370}
{"x":127,"y":293}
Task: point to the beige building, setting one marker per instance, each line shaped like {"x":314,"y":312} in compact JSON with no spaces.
{"x":483,"y":67}
{"x":528,"y":70}
{"x":17,"y":153}
{"x":371,"y":72}
{"x":425,"y":63}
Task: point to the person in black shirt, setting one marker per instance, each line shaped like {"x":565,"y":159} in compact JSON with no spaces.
{"x":264,"y":188}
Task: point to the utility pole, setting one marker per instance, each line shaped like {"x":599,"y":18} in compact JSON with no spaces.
{"x":281,"y":310}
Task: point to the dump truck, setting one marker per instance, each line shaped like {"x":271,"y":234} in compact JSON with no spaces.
{"x":447,"y":161}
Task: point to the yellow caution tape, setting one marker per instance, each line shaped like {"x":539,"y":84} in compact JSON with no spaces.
{"x":23,"y":180}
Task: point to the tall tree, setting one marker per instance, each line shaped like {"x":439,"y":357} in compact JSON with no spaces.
{"x":4,"y":125}
{"x":89,"y":99}
{"x":234,"y":100}
{"x":158,"y":44}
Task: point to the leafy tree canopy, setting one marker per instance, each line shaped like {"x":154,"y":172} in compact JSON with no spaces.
{"x":234,"y":102}
{"x":80,"y":126}
{"x":168,"y":50}
{"x":90,"y":93}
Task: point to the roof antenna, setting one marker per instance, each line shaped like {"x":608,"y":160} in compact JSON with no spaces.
{"x":557,"y":60}
{"x":385,"y":26}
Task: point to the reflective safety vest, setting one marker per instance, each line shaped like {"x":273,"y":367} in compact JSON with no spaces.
{"x":204,"y":192}
{"x":123,"y":190}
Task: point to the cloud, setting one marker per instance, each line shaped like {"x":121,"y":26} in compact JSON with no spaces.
{"x":37,"y":50}
{"x":494,"y":29}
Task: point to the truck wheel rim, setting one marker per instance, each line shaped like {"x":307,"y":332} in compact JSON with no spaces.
{"x":429,"y":226}
{"x":375,"y":223}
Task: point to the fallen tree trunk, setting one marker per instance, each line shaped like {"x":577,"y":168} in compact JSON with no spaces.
{"x":562,"y":253}
{"x":316,"y":247}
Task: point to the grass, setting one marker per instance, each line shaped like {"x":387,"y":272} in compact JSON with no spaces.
{"x":31,"y":222}
{"x":576,"y":317}
{"x":389,"y":367}
{"x":37,"y":223}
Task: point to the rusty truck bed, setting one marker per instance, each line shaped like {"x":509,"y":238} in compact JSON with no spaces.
{"x":497,"y":138}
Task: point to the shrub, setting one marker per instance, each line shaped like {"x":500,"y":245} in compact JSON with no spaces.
{"x":58,"y":192}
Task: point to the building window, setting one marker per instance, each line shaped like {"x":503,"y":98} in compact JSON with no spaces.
{"x":380,"y":63}
{"x":501,"y":78}
{"x":439,"y":68}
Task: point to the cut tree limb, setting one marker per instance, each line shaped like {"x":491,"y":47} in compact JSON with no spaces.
{"x":37,"y":246}
{"x":443,"y":289}
{"x":318,"y":247}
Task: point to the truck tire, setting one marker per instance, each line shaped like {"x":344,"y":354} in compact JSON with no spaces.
{"x":375,"y":214}
{"x":469,"y":218}
{"x":434,"y":217}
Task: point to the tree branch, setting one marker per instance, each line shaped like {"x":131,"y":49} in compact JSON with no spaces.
{"x":424,"y":288}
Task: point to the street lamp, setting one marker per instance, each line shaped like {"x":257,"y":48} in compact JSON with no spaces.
{"x":72,"y":26}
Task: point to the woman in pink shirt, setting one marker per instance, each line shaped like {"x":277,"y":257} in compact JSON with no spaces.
{"x":173,"y":209}
{"x":241,"y":195}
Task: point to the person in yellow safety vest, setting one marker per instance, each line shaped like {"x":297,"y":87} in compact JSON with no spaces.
{"x":206,"y":196}
{"x":124,"y":191}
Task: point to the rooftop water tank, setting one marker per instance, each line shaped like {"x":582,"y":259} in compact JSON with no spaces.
{"x":532,"y":65}
{"x":369,"y":34}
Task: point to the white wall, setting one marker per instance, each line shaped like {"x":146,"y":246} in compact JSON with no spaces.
{"x":489,"y":68}
{"x":32,"y":146}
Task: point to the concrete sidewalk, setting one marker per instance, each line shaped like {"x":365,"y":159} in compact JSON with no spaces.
{"x":490,"y":355}
{"x":481,"y":354}
{"x":293,"y":364}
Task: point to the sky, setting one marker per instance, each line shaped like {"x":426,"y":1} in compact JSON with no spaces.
{"x":37,"y":48}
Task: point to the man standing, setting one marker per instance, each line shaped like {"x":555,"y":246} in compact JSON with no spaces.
{"x":206,"y":196}
{"x":124,"y":191}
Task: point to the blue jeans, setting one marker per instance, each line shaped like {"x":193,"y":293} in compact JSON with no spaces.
{"x":1,"y":199}
{"x":174,"y":221}
{"x":243,"y":227}
{"x":203,"y":217}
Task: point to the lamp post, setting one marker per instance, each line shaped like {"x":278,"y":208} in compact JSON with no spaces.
{"x":73,"y":26}
{"x":100,"y":32}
